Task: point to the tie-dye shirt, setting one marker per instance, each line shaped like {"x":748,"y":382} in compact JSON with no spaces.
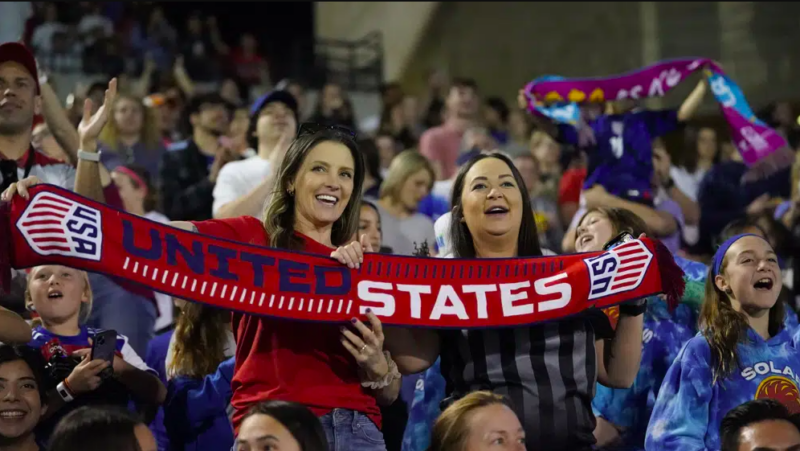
{"x":690,"y":406}
{"x":664,"y":335}
{"x":424,"y":409}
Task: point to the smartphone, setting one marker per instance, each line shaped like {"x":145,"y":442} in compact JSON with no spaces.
{"x":104,"y":346}
{"x":622,"y":238}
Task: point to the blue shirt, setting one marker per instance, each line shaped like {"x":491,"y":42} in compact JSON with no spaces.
{"x":622,"y":158}
{"x":196,"y":411}
{"x":424,"y":408}
{"x":664,"y":335}
{"x":691,"y":406}
{"x":156,"y":358}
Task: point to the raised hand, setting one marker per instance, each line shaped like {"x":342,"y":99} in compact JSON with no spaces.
{"x":368,"y":348}
{"x":91,"y":124}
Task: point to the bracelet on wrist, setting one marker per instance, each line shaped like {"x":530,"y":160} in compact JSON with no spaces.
{"x":390,"y":376}
{"x":64,"y":390}
{"x":89,"y":156}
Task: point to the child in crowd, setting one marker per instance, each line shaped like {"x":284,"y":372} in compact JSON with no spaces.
{"x":62,"y":299}
{"x":743,"y":351}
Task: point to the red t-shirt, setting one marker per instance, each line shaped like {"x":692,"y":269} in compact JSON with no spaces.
{"x":571,"y":185}
{"x":289,"y":360}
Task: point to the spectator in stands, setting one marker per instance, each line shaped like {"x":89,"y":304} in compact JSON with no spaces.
{"x":102,"y":428}
{"x":433,"y":104}
{"x":237,"y":133}
{"x":243,"y":186}
{"x":333,"y":108}
{"x":156,"y":359}
{"x":409,"y":180}
{"x":137,"y":192}
{"x":42,"y":39}
{"x":201,"y":47}
{"x":761,"y":424}
{"x":741,"y":327}
{"x":196,"y":411}
{"x":189,"y":168}
{"x":23,"y":397}
{"x":441,"y":144}
{"x":372,"y":178}
{"x":234,"y":91}
{"x":281,"y":425}
{"x":548,"y":222}
{"x":394,"y":122}
{"x":296,"y":89}
{"x":388,"y":148}
{"x":62,"y":299}
{"x":554,"y":418}
{"x":131,"y":136}
{"x":519,"y":132}
{"x":481,"y":420}
{"x":250,"y":66}
{"x":495,"y":116}
{"x":369,"y":224}
{"x":155,"y":38}
{"x":318,"y":199}
{"x":94,"y":24}
{"x":202,"y":341}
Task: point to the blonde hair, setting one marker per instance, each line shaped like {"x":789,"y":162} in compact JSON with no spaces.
{"x":85,"y":309}
{"x":150,"y":135}
{"x":451,"y":429}
{"x":796,"y":179}
{"x":403,"y":166}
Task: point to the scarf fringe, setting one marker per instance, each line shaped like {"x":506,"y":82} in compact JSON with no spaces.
{"x":671,"y":275}
{"x":770,"y":165}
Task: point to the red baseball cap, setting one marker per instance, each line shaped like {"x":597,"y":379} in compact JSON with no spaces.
{"x":20,"y":54}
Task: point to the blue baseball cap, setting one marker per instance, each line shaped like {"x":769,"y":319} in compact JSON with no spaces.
{"x":278,"y":95}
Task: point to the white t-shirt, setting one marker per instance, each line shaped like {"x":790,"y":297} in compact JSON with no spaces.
{"x":42,"y":38}
{"x":238,"y":178}
{"x":689,"y":184}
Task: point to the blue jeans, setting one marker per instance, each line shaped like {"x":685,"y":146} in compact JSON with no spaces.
{"x":348,"y":430}
{"x":114,"y":307}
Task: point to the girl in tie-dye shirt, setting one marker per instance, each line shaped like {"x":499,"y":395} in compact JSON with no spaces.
{"x":742,"y":351}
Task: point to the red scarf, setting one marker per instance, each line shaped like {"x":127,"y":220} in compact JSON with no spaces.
{"x":59,"y":227}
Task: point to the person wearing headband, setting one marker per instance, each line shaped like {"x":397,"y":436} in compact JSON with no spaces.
{"x":742,"y":352}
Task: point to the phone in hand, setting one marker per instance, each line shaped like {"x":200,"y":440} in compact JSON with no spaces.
{"x":622,"y":238}
{"x":104,"y":346}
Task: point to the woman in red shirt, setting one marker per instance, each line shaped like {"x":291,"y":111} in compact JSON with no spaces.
{"x":314,"y":208}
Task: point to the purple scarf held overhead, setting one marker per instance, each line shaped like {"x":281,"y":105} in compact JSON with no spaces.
{"x":557,"y":98}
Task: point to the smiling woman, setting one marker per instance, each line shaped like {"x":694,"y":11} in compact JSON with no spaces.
{"x":22,"y":395}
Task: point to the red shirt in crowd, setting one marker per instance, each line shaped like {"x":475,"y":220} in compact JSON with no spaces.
{"x":441,"y":145}
{"x":289,"y":360}
{"x":571,"y":185}
{"x":248,"y":67}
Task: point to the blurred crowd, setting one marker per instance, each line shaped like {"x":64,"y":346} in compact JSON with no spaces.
{"x":193,"y":129}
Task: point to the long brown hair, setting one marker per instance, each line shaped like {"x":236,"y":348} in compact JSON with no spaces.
{"x":200,"y":337}
{"x":279,"y":216}
{"x":461,"y":238}
{"x":150,"y":135}
{"x":724,"y":328}
{"x":451,"y":429}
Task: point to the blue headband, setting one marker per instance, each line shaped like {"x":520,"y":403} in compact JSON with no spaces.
{"x":723,"y":249}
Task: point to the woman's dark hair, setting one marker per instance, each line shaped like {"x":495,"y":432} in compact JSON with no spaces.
{"x":499,"y":105}
{"x":33,"y":358}
{"x":366,"y":203}
{"x":691,"y":135}
{"x":752,"y":412}
{"x":96,"y":427}
{"x":279,"y":216}
{"x":151,"y":199}
{"x":460,"y":236}
{"x":372,"y":162}
{"x":301,"y":423}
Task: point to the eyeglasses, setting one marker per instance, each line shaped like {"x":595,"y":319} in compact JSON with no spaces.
{"x":309,"y":128}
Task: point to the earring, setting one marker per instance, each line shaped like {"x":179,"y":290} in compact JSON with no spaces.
{"x":290,"y":192}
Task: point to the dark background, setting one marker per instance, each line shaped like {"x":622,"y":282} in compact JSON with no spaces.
{"x":284,"y":30}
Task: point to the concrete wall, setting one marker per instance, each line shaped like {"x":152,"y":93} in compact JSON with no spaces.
{"x":505,"y":44}
{"x":401,"y":23}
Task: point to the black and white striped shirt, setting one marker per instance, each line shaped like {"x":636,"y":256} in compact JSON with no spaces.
{"x":548,"y":371}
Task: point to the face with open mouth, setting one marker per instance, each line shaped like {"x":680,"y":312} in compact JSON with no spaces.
{"x":593,"y":232}
{"x":491,"y":199}
{"x":324,"y":184}
{"x":751,"y":276}
{"x":57,"y":291}
{"x":20,"y":403}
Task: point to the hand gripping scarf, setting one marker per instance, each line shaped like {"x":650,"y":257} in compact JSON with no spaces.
{"x":59,"y":227}
{"x":558,"y":98}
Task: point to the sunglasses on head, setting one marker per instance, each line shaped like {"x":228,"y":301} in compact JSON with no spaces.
{"x":309,"y":128}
